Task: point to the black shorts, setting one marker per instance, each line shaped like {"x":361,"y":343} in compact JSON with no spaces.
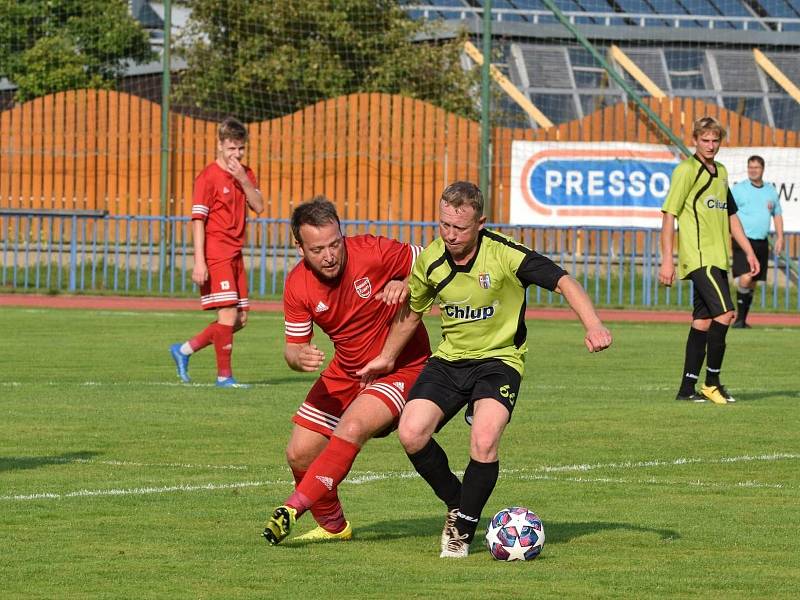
{"x":740,"y":266}
{"x":712,"y":295}
{"x":452,"y":385}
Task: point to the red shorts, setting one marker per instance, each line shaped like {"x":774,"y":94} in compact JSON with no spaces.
{"x":226,"y":285}
{"x":333,"y":392}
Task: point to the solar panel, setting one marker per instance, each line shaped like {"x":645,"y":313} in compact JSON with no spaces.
{"x":789,"y":64}
{"x":547,"y":67}
{"x":650,"y":61}
{"x":737,"y":71}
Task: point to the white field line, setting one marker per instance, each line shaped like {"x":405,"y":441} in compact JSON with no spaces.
{"x":140,"y":491}
{"x":128,"y":463}
{"x":177,"y":384}
{"x":541,"y":473}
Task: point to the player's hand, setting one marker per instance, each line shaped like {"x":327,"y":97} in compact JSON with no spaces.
{"x":666,"y":274}
{"x":755,"y":267}
{"x":236,"y":169}
{"x":374,"y":368}
{"x":778,"y":247}
{"x":310,"y":358}
{"x":200,"y":273}
{"x":394,"y":292}
{"x":597,"y":338}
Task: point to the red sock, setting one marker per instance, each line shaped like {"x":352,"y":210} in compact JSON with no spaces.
{"x":327,"y":511}
{"x":223,"y":346}
{"x":204,"y":338}
{"x":324,"y":475}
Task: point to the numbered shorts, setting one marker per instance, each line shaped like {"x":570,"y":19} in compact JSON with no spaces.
{"x":453,"y":385}
{"x":712,"y":295}
{"x":334,"y":391}
{"x":226,"y":286}
{"x":761,"y":250}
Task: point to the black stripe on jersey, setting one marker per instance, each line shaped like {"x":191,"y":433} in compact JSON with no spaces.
{"x":535,"y":269}
{"x":733,"y":208}
{"x":522,"y":330}
{"x":435,"y":264}
{"x":510,"y":243}
{"x":697,"y":197}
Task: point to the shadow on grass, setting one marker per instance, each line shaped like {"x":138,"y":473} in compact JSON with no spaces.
{"x":14,"y":463}
{"x":746,"y":396}
{"x":555,"y":532}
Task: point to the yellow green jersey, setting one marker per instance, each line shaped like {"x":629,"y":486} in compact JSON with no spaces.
{"x":702,"y":203}
{"x":482,"y":303}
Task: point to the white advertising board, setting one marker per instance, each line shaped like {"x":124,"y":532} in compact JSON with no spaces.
{"x":617,"y":185}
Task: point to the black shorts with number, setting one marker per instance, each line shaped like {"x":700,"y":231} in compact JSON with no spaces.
{"x":740,"y":266}
{"x":712,"y":295}
{"x":452,"y":385}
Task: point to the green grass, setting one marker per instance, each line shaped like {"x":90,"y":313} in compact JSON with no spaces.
{"x":117,"y":482}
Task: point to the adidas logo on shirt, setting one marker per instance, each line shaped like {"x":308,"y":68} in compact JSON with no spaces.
{"x":399,"y":385}
{"x":321,"y":307}
{"x":225,"y":190}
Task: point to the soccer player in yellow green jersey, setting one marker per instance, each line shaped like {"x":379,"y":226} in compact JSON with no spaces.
{"x":479,"y":278}
{"x":699,"y":198}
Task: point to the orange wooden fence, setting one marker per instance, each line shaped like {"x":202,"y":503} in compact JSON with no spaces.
{"x":377,"y":156}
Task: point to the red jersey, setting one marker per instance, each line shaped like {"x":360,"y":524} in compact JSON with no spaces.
{"x":346,"y":309}
{"x":219,"y":200}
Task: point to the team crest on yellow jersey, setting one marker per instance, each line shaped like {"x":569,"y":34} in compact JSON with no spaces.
{"x":484,"y":280}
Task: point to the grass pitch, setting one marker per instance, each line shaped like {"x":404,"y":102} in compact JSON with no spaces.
{"x":116,"y":481}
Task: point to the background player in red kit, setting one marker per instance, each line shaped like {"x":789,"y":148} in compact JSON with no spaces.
{"x":222,"y":193}
{"x":351,"y":287}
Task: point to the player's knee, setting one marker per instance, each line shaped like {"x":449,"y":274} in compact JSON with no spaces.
{"x":354,"y":431}
{"x":483,"y":450}
{"x":483,"y":446}
{"x":298,"y":458}
{"x":411,"y":438}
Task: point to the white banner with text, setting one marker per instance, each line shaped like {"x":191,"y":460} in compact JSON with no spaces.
{"x":623,"y":185}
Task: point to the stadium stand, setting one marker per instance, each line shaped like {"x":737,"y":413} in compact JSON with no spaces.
{"x":687,"y":48}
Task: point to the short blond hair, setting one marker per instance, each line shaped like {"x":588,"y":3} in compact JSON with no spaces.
{"x":704,"y":124}
{"x":463,"y":193}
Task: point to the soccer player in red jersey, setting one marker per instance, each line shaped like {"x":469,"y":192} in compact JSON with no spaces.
{"x":351,"y":288}
{"x":222,"y":193}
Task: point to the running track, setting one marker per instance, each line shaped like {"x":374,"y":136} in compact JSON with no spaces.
{"x":174,"y":304}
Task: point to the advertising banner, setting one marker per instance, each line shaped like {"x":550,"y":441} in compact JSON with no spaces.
{"x":623,"y":184}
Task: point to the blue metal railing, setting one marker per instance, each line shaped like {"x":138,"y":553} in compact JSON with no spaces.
{"x":92,"y":252}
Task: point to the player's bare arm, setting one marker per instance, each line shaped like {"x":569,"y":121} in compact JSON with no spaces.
{"x":737,"y":232}
{"x":304,"y":357}
{"x":394,"y":292}
{"x":597,"y":337}
{"x":666,"y":274}
{"x":403,"y":327}
{"x":200,"y":269}
{"x":778,"y":246}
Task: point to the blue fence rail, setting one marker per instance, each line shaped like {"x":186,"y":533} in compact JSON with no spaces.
{"x":92,"y":252}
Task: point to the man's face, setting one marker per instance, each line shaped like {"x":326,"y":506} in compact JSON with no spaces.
{"x":230,"y":150}
{"x":459,"y":228}
{"x":707,"y":145}
{"x":323,"y":249}
{"x":755,"y":171}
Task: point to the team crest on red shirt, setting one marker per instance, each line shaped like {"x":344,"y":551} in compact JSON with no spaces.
{"x":363,"y":287}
